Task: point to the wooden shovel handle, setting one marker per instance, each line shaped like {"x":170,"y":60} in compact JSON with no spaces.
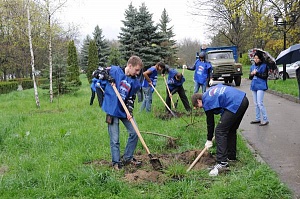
{"x":131,"y":120}
{"x":162,"y":99}
{"x":169,"y":92}
{"x":198,"y":157}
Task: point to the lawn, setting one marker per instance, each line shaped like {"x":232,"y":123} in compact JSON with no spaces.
{"x":56,"y":151}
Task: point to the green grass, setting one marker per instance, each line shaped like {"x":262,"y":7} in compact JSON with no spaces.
{"x":289,"y":86}
{"x":43,"y":152}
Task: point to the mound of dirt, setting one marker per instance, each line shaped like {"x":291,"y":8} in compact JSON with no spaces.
{"x":146,"y":173}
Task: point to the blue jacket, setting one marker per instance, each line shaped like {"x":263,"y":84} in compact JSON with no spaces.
{"x":93,"y":84}
{"x":172,"y":82}
{"x":201,"y":71}
{"x":259,"y":81}
{"x":127,"y":87}
{"x":222,"y":97}
{"x":152,"y":76}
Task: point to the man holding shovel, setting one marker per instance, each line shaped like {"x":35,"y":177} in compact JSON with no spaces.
{"x":127,"y":85}
{"x":175,"y":85}
{"x":232,"y":104}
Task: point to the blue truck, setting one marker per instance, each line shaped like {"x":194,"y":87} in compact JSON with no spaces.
{"x":224,"y":61}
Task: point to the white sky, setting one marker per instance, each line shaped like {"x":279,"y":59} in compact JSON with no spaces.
{"x":109,"y":13}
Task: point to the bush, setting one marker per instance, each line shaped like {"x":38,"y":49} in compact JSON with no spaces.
{"x":7,"y":87}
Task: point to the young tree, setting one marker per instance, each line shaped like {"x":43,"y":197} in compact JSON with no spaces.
{"x":73,"y":68}
{"x":92,"y":60}
{"x":168,"y":46}
{"x":102,"y":46}
{"x":84,"y":53}
{"x":37,"y":101}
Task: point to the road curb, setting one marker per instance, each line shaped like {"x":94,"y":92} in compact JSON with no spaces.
{"x":285,"y":96}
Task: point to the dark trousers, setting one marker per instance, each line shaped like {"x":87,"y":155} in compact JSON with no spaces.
{"x":92,"y":97}
{"x":100,"y":96}
{"x":182,"y":95}
{"x":226,"y":132}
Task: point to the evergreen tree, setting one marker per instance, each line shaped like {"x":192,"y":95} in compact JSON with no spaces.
{"x":115,"y":58}
{"x":168,"y":46}
{"x":127,"y":36}
{"x":139,"y":36}
{"x":102,"y":46}
{"x":92,"y":61}
{"x":84,"y":53}
{"x":73,"y":72}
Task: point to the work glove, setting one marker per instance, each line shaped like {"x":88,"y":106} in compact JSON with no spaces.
{"x":184,"y":67}
{"x":208,"y":144}
{"x":211,"y":82}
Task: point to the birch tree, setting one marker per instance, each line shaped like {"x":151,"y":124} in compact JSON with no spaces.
{"x":37,"y":101}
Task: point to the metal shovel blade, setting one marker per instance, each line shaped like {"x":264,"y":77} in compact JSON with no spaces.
{"x":155,"y":163}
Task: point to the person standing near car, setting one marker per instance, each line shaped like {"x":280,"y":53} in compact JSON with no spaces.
{"x":259,"y":77}
{"x":203,"y":70}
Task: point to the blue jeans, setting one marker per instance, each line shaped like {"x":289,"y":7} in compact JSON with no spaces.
{"x":198,"y":85}
{"x":114,"y":131}
{"x":147,"y":102}
{"x":258,"y":97}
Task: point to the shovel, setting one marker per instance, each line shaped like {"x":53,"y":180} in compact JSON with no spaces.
{"x":154,"y":161}
{"x":163,"y":101}
{"x":170,"y":95}
{"x":198,"y":157}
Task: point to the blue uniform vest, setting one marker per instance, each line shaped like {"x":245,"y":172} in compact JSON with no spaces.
{"x":224,"y":97}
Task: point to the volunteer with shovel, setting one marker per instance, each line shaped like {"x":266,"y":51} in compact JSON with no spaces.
{"x":232,"y":104}
{"x":127,"y":85}
{"x":175,"y":85}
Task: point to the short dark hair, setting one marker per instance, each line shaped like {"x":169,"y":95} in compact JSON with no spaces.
{"x":161,"y":64}
{"x":195,"y":97}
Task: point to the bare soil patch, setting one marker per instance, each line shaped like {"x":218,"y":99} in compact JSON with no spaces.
{"x":146,"y":173}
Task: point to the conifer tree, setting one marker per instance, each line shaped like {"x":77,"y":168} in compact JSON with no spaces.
{"x":102,"y":46}
{"x":84,"y":53}
{"x":168,"y":46}
{"x":73,"y":72}
{"x":92,"y":61}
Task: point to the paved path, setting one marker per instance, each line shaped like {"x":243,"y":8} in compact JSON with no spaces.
{"x":278,"y":143}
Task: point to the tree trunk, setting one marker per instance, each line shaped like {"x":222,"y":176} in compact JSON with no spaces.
{"x":32,"y":59}
{"x":50,"y":52}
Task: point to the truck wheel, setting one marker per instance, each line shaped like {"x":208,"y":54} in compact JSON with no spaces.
{"x":237,"y":81}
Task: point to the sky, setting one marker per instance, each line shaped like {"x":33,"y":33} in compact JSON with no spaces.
{"x":87,"y":14}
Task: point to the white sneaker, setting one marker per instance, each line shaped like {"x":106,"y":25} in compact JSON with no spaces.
{"x":223,"y":166}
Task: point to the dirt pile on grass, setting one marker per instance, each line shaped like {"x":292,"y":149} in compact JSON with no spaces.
{"x":146,"y":173}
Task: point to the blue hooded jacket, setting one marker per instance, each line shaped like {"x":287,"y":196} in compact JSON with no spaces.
{"x":126,"y":86}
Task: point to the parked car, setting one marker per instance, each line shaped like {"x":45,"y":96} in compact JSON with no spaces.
{"x":290,"y":70}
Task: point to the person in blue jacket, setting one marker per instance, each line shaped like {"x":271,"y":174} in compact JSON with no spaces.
{"x":175,"y":83}
{"x":202,"y":73}
{"x":127,"y":84}
{"x":93,"y":89}
{"x":231,"y":104}
{"x":150,"y":77}
{"x":259,"y":84}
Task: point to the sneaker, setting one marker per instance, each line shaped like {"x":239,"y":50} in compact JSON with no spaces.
{"x":264,"y":123}
{"x":218,"y":168}
{"x":232,"y":160}
{"x":255,"y":122}
{"x":133,"y":162}
{"x":117,"y":166}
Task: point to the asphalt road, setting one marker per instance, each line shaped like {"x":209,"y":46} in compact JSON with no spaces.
{"x":278,"y":144}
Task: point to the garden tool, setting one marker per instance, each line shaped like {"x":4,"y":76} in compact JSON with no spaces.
{"x":198,"y":157}
{"x":163,"y":101}
{"x":156,"y":164}
{"x":169,"y":92}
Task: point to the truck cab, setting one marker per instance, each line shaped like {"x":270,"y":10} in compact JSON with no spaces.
{"x":224,"y":63}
